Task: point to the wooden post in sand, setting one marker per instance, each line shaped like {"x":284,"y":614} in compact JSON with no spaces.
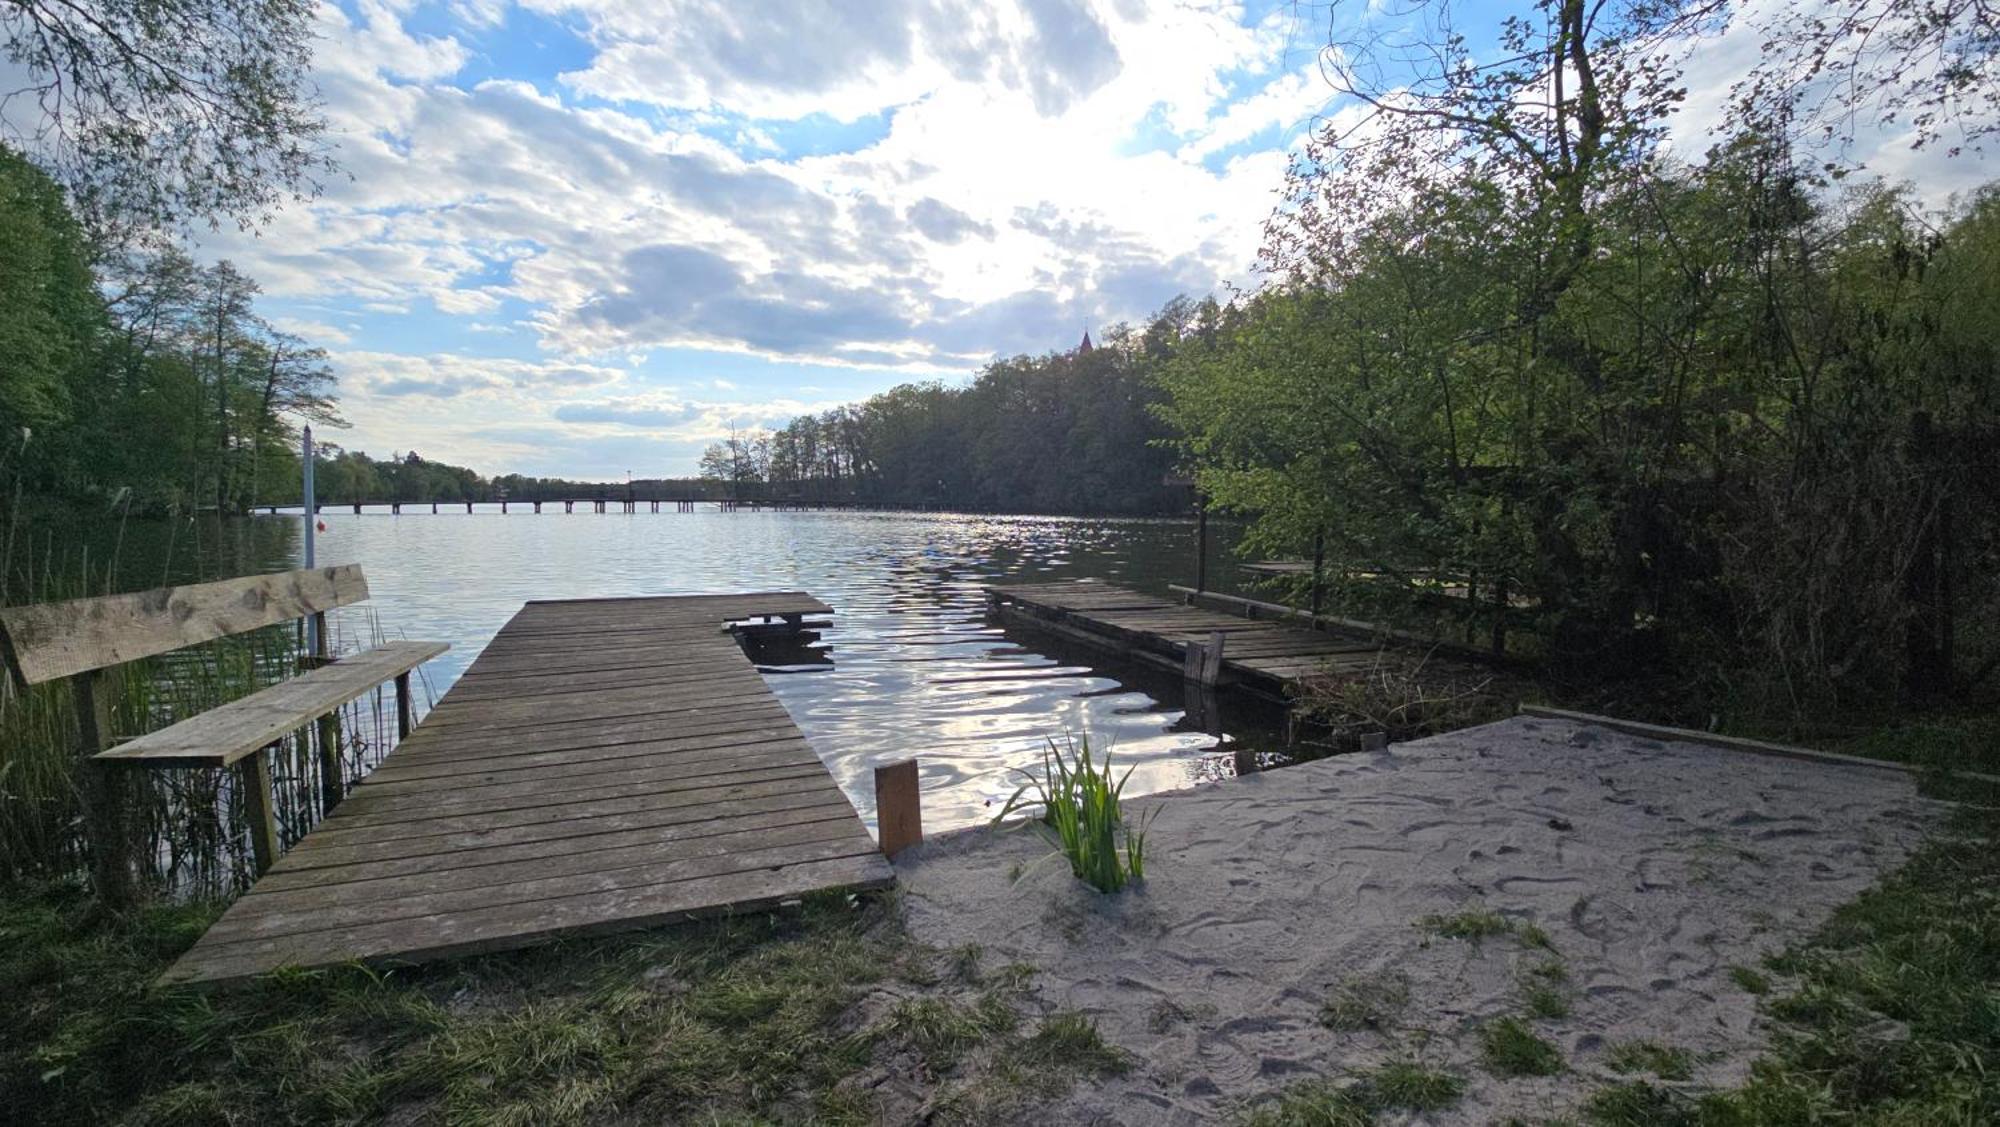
{"x":899,"y":811}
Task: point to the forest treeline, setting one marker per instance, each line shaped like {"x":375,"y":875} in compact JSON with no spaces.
{"x":1064,"y":432}
{"x":137,"y":380}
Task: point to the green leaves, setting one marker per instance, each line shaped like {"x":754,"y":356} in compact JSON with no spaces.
{"x":1079,"y":800}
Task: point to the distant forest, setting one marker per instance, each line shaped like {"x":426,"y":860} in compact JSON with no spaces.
{"x":1066,"y":432}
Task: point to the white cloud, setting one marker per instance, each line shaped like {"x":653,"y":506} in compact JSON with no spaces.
{"x":1025,"y":168}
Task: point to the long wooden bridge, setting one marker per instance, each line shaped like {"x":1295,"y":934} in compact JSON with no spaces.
{"x":605,"y":504}
{"x":605,"y":764}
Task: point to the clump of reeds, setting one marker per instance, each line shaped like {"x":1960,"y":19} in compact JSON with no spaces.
{"x":1079,"y":800}
{"x":190,"y":824}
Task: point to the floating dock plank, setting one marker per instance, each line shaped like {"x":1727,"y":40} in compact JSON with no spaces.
{"x":605,"y":764}
{"x":1262,"y":654}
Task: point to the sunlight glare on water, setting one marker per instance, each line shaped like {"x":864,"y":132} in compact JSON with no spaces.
{"x":916,"y":667}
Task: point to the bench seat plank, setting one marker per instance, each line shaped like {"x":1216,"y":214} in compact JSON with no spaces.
{"x":223,"y":735}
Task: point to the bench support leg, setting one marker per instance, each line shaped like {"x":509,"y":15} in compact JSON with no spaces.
{"x":106,"y":794}
{"x":254,"y":776}
{"x":332,"y":779}
{"x":404,"y":721}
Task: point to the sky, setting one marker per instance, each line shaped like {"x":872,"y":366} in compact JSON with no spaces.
{"x":587,"y":237}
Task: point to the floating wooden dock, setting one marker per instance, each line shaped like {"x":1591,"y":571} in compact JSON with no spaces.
{"x":1260,"y":654}
{"x":605,"y":764}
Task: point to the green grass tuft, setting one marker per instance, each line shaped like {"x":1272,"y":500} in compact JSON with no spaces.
{"x":1548,"y":1003}
{"x":1749,"y":981}
{"x":1409,"y":1086}
{"x":1080,"y":804}
{"x":1396,"y":1086}
{"x":944,"y":1029}
{"x":1315,"y":1103}
{"x":1639,"y":1104}
{"x":1477,"y":925}
{"x":1510,"y":1048}
{"x":1068,"y":1040}
{"x":1365,"y":1002}
{"x":1667,"y":1062}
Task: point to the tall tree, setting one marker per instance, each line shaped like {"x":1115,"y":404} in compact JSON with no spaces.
{"x":158,"y":113}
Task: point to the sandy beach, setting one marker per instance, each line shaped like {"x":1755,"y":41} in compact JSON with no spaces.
{"x":1651,"y":868}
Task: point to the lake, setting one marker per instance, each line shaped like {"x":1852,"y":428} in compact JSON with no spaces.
{"x":908,"y":665}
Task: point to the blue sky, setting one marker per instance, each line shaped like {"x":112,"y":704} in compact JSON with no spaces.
{"x":583,"y":237}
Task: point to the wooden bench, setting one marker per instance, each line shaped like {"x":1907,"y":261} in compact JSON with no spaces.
{"x":83,"y":639}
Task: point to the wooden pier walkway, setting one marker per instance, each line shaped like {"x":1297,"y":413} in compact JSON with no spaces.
{"x":1257,"y":653}
{"x":605,"y":764}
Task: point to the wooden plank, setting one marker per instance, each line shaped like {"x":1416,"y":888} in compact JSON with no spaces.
{"x":355,"y":903}
{"x":463,"y":770}
{"x":510,"y":926}
{"x":697,"y":825}
{"x":554,"y":745}
{"x":1737,"y":743}
{"x":529,"y":715}
{"x":638,"y":812}
{"x":223,"y":735}
{"x":51,"y":640}
{"x":593,"y":681}
{"x":342,"y":827}
{"x":679,"y":774}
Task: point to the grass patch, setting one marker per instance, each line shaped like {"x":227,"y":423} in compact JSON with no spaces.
{"x":1668,"y":1062}
{"x":1397,"y":1086}
{"x":1545,"y":990}
{"x":1509,"y":1048}
{"x":1895,"y":1015}
{"x":1546,"y":1002}
{"x":1749,"y":981}
{"x":1477,"y":925}
{"x":757,"y":1018}
{"x":1639,"y":1104}
{"x":1068,"y":1040}
{"x":1409,"y":1086}
{"x":1365,"y":1002}
{"x":1080,"y":804}
{"x":1315,"y":1103}
{"x":943,"y":1029}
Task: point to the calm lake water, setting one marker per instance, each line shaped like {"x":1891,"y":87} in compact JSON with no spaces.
{"x":909,"y":665}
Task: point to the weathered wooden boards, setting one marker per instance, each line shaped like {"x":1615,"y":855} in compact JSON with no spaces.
{"x":227,"y":733}
{"x":1262,"y":654}
{"x":606,"y":764}
{"x":51,"y":640}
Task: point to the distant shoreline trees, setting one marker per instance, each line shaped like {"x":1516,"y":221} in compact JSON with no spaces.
{"x":1064,"y":432}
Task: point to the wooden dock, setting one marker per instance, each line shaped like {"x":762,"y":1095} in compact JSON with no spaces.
{"x":605,"y":764}
{"x":1260,"y":654}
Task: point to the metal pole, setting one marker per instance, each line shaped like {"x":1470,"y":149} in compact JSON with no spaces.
{"x":1319,"y":571}
{"x":1201,"y":546}
{"x":306,"y":494}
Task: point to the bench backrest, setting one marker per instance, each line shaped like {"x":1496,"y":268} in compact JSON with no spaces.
{"x":52,"y":640}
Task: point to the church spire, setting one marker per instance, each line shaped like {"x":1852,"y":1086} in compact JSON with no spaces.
{"x":1086,"y":346}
